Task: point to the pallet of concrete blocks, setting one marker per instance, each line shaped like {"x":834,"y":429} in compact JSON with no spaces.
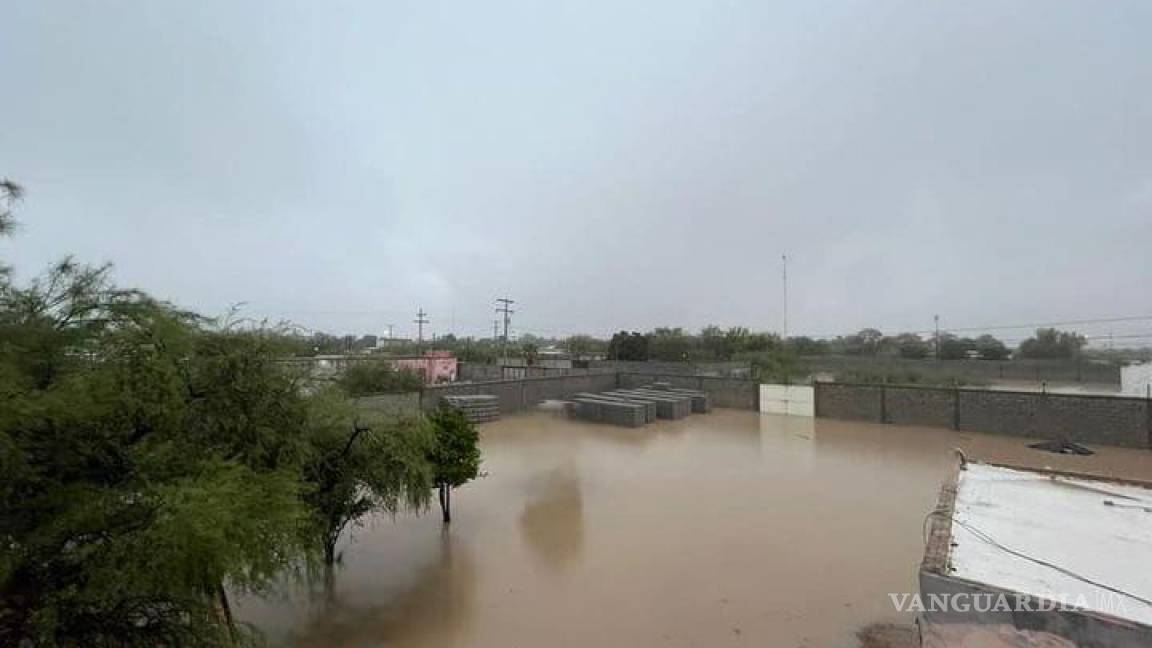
{"x":668,"y":406}
{"x":606,"y":411}
{"x":649,"y":405}
{"x":701,"y":403}
{"x":480,"y":408}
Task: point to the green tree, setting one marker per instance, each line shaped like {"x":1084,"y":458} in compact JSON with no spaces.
{"x":955,"y":348}
{"x":378,"y":377}
{"x":10,"y":194}
{"x":990,"y":348}
{"x":670,"y":345}
{"x":149,"y":462}
{"x":357,"y":466}
{"x":805,"y":346}
{"x":910,"y":345}
{"x":580,"y":346}
{"x":1052,"y":344}
{"x":455,"y":457}
{"x":628,"y":346}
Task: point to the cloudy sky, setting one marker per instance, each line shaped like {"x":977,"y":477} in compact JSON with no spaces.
{"x":606,"y":164}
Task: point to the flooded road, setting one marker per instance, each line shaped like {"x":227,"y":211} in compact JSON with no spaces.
{"x":726,"y":529}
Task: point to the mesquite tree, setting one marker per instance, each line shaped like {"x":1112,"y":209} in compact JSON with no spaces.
{"x":456,"y":456}
{"x":359,"y":465}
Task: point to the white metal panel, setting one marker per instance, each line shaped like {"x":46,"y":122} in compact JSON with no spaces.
{"x":792,"y":400}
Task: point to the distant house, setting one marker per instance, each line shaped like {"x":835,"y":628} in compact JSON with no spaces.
{"x":1136,"y":379}
{"x":433,"y":366}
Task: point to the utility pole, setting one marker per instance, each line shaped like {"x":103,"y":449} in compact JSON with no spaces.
{"x":936,"y":339}
{"x":421,"y":320}
{"x":785,"y":258}
{"x":504,"y":308}
{"x":495,"y":330}
{"x":390,"y":331}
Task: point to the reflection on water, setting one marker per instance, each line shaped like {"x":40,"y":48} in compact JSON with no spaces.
{"x":730,"y":528}
{"x":553,"y":522}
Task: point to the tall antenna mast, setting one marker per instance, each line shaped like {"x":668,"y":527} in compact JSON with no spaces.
{"x":785,"y":258}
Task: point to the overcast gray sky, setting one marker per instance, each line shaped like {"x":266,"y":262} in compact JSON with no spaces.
{"x":607,"y":164}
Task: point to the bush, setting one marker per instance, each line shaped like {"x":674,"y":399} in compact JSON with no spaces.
{"x":378,"y":377}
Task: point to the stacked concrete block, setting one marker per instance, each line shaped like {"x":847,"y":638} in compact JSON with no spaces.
{"x":649,"y":406}
{"x":668,"y":406}
{"x":701,"y":404}
{"x":477,"y":409}
{"x":607,"y":411}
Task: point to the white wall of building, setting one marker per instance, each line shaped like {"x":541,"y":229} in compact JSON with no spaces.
{"x":1135,"y":379}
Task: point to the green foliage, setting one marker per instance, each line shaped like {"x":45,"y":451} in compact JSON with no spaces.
{"x":910,"y":345}
{"x":805,"y":346}
{"x":991,"y":349}
{"x":148,"y":461}
{"x":581,"y":346}
{"x":378,"y":377}
{"x":455,"y":457}
{"x":628,"y":346}
{"x":1051,"y":343}
{"x":359,"y":466}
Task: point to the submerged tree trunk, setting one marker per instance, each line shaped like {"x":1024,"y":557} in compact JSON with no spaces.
{"x":225,"y":611}
{"x":329,"y":568}
{"x":446,"y":502}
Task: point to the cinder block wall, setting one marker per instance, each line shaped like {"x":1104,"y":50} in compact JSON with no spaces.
{"x":848,"y":402}
{"x":975,"y":370}
{"x":520,"y":394}
{"x":1107,"y":420}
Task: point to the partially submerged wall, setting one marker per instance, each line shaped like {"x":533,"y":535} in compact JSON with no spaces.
{"x":521,"y":394}
{"x":978,"y":371}
{"x":1107,"y":420}
{"x":732,"y":369}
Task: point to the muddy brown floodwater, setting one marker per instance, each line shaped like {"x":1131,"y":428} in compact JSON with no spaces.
{"x":726,"y":529}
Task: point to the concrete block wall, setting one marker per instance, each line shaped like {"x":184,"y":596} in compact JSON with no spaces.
{"x":1031,"y":370}
{"x":848,"y":402}
{"x":732,"y":369}
{"x":1106,"y":420}
{"x":518,"y":395}
{"x":911,"y":406}
{"x":1085,"y":419}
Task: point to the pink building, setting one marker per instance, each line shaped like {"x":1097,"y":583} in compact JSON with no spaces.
{"x":434,"y":366}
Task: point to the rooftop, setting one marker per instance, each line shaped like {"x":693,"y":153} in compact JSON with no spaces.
{"x":1080,"y":540}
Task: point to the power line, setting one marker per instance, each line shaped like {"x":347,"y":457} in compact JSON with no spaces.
{"x":505,"y":303}
{"x":421,"y":320}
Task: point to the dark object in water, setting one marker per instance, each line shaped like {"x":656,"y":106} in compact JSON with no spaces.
{"x":888,"y":635}
{"x":1061,"y":447}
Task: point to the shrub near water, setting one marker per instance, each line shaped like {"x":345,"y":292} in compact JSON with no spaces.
{"x":378,"y":377}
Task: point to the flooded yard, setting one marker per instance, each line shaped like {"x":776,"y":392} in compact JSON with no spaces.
{"x":726,"y":529}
